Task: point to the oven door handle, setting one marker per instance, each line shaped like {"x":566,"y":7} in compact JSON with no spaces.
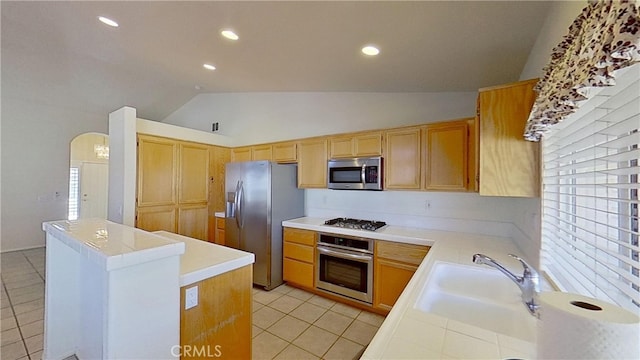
{"x":344,"y":255}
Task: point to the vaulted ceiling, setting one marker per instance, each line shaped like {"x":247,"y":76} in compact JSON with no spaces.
{"x":58,"y":53}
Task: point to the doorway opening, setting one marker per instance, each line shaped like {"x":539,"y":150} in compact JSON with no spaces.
{"x":88,"y":176}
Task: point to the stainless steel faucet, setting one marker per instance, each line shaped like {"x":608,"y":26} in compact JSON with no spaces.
{"x":528,"y":282}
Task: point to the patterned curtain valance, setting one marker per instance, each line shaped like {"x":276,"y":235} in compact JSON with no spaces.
{"x":604,"y":38}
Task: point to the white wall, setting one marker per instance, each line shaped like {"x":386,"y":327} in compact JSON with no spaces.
{"x":36,"y":139}
{"x":253,"y":118}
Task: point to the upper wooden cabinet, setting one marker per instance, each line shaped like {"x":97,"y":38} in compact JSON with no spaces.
{"x":157,"y":171}
{"x":241,"y":154}
{"x":285,"y":152}
{"x":261,"y":152}
{"x":508,"y":164}
{"x":402,"y":159}
{"x":445,"y":154}
{"x":359,"y":145}
{"x":312,"y":163}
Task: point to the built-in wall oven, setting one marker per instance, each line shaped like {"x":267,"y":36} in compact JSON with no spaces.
{"x":345,"y":266}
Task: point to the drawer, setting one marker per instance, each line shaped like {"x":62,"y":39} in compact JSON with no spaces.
{"x":406,"y":253}
{"x":304,"y":237}
{"x":298,"y":272}
{"x":220,"y":223}
{"x":298,"y":252}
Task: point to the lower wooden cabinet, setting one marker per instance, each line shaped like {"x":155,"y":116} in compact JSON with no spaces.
{"x":220,"y":226}
{"x":298,"y":251}
{"x":220,"y":325}
{"x":394,"y":265}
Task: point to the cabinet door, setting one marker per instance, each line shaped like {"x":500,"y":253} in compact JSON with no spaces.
{"x":402,"y":159}
{"x":369,"y":144}
{"x":285,"y":152}
{"x":218,"y":158}
{"x":509,"y":165}
{"x":261,"y":152}
{"x":193,"y":221}
{"x":155,"y":218}
{"x":390,"y":279}
{"x":340,"y":147}
{"x":220,"y":226}
{"x":241,"y":154}
{"x":445,"y":156}
{"x":157,"y":171}
{"x":194,"y":174}
{"x":312,"y":163}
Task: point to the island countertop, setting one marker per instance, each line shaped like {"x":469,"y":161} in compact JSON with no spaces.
{"x":203,"y":260}
{"x":112,"y":245}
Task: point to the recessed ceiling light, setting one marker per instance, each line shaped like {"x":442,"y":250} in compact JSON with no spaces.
{"x":370,"y":50}
{"x":108,"y":21}
{"x":209,"y":67}
{"x":229,"y":34}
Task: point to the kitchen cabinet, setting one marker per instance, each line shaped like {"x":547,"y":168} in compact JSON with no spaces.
{"x":359,"y":145}
{"x":218,"y":158}
{"x":173,"y":186}
{"x":445,"y":154}
{"x":285,"y":152}
{"x":261,"y":152}
{"x":220,"y":227}
{"x":312,"y":163}
{"x":402,"y":159}
{"x":241,"y":154}
{"x":298,"y":252}
{"x":508,"y":164}
{"x":394,"y":264}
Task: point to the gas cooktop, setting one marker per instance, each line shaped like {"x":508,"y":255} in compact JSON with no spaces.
{"x":357,"y":224}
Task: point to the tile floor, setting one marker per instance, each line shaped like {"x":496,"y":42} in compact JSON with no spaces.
{"x":288,"y":323}
{"x":22,"y":304}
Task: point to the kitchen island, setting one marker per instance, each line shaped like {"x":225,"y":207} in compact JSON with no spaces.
{"x":113,"y":291}
{"x":411,"y":333}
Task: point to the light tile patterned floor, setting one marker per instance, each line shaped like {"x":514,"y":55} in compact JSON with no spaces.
{"x":22,"y":304}
{"x":288,"y":323}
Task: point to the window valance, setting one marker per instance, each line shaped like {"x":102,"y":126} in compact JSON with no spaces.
{"x":605,"y":37}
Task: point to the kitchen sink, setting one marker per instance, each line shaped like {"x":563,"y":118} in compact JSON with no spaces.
{"x":481,"y":297}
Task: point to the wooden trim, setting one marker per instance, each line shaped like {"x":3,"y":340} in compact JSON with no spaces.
{"x":501,"y":86}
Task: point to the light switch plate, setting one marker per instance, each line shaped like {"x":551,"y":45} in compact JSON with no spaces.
{"x":191,"y":297}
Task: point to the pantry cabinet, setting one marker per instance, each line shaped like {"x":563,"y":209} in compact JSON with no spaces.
{"x":508,"y":164}
{"x":312,"y":163}
{"x":445,"y":154}
{"x":298,"y":252}
{"x":173,"y":186}
{"x":394,"y":264}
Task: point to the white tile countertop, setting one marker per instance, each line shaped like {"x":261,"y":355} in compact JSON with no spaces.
{"x":409,"y":333}
{"x":219,"y":214}
{"x":203,"y":260}
{"x":112,"y":245}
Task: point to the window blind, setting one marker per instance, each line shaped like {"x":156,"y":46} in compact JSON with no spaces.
{"x":74,"y":193}
{"x":590,"y":196}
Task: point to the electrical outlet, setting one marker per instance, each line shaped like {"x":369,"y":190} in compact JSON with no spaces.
{"x":191,"y":298}
{"x":427,"y":205}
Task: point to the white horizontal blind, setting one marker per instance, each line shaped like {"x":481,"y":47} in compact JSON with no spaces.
{"x":74,"y":194}
{"x":590,"y":196}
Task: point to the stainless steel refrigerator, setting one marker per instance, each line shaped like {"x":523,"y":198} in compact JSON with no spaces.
{"x":259,"y":196}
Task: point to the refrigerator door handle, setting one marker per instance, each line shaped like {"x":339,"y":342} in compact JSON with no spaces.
{"x":239,"y":205}
{"x":235,"y":204}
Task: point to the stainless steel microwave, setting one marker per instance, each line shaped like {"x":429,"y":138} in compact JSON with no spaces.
{"x":355,"y":173}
